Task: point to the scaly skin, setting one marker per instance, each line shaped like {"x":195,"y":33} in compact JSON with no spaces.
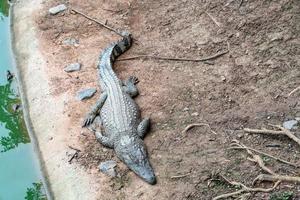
{"x":120,"y":115}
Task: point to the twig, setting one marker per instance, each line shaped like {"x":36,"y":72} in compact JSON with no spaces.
{"x":73,"y":148}
{"x":75,"y":155}
{"x":114,"y":11}
{"x":294,"y":90}
{"x":198,"y":124}
{"x":282,"y":131}
{"x":267,"y":177}
{"x":98,"y":22}
{"x":175,"y":59}
{"x":213,"y":19}
{"x":180,"y":176}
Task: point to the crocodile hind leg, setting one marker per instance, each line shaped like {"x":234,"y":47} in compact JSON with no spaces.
{"x":130,"y":86}
{"x":143,"y":127}
{"x":95,"y":110}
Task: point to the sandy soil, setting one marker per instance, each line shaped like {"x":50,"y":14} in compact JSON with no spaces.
{"x":248,"y":87}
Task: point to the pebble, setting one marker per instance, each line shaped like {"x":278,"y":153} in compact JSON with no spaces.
{"x":108,"y":168}
{"x":86,"y":93}
{"x":195,"y":114}
{"x":72,"y":67}
{"x":290,"y":124}
{"x":57,"y":9}
{"x":186,"y":109}
{"x":71,"y":42}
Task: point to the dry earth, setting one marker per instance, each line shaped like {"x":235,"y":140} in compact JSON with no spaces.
{"x":248,"y":87}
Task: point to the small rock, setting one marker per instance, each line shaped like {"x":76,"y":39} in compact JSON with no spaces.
{"x":276,"y":36}
{"x":57,"y":9}
{"x":71,"y":42}
{"x":291,"y":124}
{"x":195,"y":114}
{"x":223,"y":78}
{"x":72,"y":67}
{"x":186,"y":109}
{"x":86,"y":93}
{"x":240,"y":135}
{"x":108,"y":167}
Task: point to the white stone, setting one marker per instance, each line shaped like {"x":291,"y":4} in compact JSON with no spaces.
{"x":57,"y":9}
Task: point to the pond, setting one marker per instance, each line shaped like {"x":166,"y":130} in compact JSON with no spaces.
{"x":20,"y":174}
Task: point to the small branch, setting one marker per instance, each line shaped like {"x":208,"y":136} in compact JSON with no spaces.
{"x":175,"y":59}
{"x":113,"y":11}
{"x":75,"y":149}
{"x":282,"y":131}
{"x":294,"y":90}
{"x":275,"y":177}
{"x":98,"y":22}
{"x":197,"y":125}
{"x":180,"y":176}
{"x":75,"y":155}
{"x":213,"y":19}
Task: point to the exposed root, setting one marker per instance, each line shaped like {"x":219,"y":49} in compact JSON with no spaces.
{"x":275,"y":177}
{"x":294,"y":90}
{"x":237,"y":145}
{"x":198,"y":124}
{"x":213,"y":19}
{"x":175,"y":59}
{"x":282,"y":131}
{"x":180,"y":176}
{"x":244,"y":189}
{"x":255,"y":158}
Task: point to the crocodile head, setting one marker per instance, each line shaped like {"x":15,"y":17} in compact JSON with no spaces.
{"x":132,"y":151}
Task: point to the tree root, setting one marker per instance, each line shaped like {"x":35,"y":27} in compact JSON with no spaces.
{"x":282,"y":131}
{"x":237,"y":145}
{"x":244,"y":189}
{"x":175,"y":59}
{"x":272,"y":176}
{"x":198,"y":124}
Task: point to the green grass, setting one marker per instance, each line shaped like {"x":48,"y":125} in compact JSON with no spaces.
{"x":282,"y":196}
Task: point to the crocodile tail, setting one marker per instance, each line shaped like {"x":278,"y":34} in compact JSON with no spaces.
{"x":121,"y":46}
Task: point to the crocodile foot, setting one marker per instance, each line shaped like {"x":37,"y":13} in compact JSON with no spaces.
{"x":133,"y":80}
{"x":88,"y":120}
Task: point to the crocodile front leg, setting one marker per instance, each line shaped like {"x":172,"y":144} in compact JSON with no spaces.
{"x":105,"y":141}
{"x":130,"y":86}
{"x":95,"y":110}
{"x":143,"y":127}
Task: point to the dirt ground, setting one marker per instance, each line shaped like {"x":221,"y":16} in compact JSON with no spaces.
{"x":248,"y":87}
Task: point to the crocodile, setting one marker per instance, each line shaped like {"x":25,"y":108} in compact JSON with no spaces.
{"x":123,"y":129}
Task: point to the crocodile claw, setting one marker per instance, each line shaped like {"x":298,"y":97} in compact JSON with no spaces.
{"x":133,"y":79}
{"x":88,"y":120}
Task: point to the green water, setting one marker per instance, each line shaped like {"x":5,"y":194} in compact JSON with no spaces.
{"x":20,"y":176}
